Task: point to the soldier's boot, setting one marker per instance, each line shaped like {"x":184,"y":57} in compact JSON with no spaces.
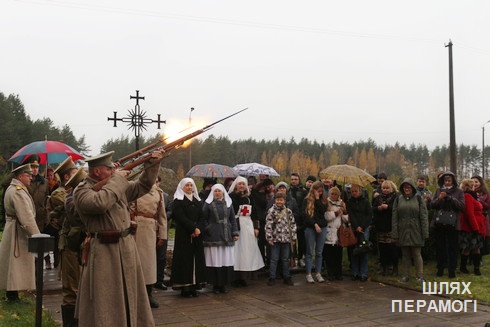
{"x":153,"y":303}
{"x":476,"y":263}
{"x":464,"y":262}
{"x":68,"y":316}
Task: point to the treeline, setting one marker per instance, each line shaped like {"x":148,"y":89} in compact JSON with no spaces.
{"x":308,"y":157}
{"x":18,"y":129}
{"x":305,"y":157}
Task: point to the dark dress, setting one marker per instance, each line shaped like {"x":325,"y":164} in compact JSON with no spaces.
{"x":220,"y":228}
{"x":188,"y":264}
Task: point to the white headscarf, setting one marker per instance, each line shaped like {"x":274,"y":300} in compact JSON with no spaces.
{"x":226,"y":197}
{"x":179,"y":192}
{"x":235,"y":182}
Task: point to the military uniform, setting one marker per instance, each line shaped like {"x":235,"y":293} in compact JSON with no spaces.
{"x":112,"y":286}
{"x":17,"y":268}
{"x":60,"y":216}
{"x":149,"y":213}
{"x":56,"y":206}
{"x":39,"y":191}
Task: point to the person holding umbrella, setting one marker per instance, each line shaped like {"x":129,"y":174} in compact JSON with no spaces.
{"x":39,"y":191}
{"x":17,"y":270}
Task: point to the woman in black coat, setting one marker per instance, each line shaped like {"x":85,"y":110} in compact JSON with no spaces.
{"x":188,"y":264}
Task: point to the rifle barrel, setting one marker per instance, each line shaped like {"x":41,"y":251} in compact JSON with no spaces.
{"x":144,"y":155}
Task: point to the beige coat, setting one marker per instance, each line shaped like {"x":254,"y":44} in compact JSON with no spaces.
{"x":17,"y":268}
{"x":149,"y":211}
{"x":112,"y":289}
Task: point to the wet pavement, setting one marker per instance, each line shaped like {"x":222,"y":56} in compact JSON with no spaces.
{"x":338,"y":303}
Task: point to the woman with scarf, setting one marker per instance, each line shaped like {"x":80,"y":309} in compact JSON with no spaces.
{"x":247,"y":254}
{"x":332,"y":251}
{"x":219,"y":237}
{"x":382,"y":213}
{"x":471,"y":228}
{"x":188,"y":264}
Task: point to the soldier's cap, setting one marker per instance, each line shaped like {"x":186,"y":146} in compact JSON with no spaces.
{"x":104,"y":159}
{"x":33,"y":159}
{"x":76,"y":178}
{"x":22,"y":169}
{"x":65,"y":166}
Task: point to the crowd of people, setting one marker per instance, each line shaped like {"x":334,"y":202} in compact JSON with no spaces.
{"x":111,"y":234}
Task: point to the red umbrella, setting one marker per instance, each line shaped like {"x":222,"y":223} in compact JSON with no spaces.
{"x":49,"y":152}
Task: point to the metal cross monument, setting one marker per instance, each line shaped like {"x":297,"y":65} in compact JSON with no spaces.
{"x":136,"y":119}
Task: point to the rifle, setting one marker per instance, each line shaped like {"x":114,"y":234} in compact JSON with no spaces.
{"x":144,"y":154}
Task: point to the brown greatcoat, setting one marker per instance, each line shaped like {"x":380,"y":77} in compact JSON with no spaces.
{"x":112,"y":289}
{"x":149,"y":211}
{"x":17,"y":268}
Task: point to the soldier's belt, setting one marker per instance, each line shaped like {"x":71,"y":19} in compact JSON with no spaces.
{"x":144,"y":214}
{"x":110,"y":236}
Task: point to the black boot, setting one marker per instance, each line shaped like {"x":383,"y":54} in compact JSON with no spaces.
{"x":153,"y":303}
{"x":68,"y":316}
{"x":476,"y":263}
{"x":12,"y":296}
{"x":395,"y":270}
{"x":462,"y":266}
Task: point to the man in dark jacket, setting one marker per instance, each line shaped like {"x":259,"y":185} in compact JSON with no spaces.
{"x":360,"y":216}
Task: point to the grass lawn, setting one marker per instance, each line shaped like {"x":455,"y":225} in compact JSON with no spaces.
{"x":479,"y":284}
{"x":22,"y":314}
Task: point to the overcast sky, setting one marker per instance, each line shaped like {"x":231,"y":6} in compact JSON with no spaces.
{"x":339,"y":71}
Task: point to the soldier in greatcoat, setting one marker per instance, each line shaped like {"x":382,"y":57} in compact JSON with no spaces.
{"x":149,"y":213}
{"x":56,"y":204}
{"x":112,"y":288}
{"x":71,"y":238}
{"x":57,"y":218}
{"x":17,"y":268}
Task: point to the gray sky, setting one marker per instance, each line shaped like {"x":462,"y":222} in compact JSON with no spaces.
{"x":339,"y":71}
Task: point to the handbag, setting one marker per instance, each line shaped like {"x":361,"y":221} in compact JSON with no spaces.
{"x":346,"y":235}
{"x":363,"y":248}
{"x":445,"y":217}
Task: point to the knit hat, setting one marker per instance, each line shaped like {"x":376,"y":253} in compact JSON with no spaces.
{"x":284,"y":184}
{"x":311,"y":178}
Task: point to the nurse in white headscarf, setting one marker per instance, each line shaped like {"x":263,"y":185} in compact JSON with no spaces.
{"x":219,"y":236}
{"x":247,"y":253}
{"x":188,"y":264}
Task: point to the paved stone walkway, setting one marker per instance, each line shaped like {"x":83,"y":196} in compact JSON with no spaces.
{"x":340,"y":303}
